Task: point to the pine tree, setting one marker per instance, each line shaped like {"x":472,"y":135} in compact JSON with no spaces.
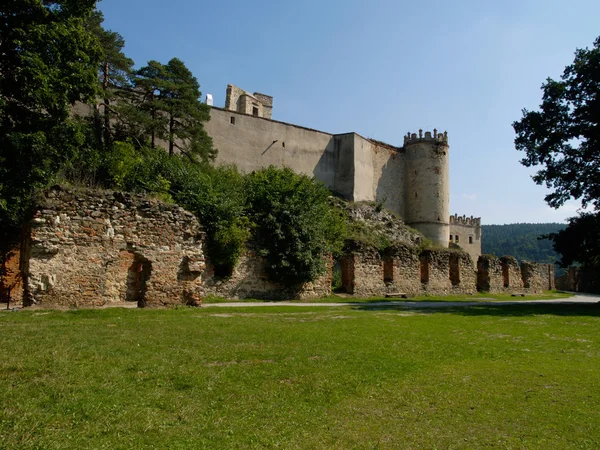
{"x":114,"y":74}
{"x":171,"y":99}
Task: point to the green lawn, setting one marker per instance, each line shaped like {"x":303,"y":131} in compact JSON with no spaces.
{"x":524,"y":376}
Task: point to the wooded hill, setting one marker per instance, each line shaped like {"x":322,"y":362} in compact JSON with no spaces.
{"x":521,"y":241}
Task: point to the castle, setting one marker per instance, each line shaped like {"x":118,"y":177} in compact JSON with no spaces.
{"x":411,"y":180}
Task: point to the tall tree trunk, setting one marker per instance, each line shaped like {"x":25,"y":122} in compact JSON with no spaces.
{"x":105,"y":82}
{"x":171,"y":143}
{"x":153,"y":115}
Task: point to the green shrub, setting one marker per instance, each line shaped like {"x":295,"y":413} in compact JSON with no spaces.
{"x":295,"y":225}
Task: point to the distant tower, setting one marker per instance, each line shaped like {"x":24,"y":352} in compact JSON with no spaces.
{"x":428,"y":185}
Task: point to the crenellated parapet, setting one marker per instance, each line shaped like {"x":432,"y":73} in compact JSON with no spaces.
{"x":413,"y":138}
{"x":464,"y":220}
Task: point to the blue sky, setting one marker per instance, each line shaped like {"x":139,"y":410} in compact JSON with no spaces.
{"x":383,"y":68}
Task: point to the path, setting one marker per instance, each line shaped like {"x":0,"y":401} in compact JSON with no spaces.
{"x":579,"y":298}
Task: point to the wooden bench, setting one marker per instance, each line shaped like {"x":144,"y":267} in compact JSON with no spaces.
{"x":396,"y":294}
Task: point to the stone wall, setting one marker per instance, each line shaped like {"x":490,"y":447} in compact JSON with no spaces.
{"x":249,"y":280}
{"x":406,"y":270}
{"x":365,"y":273}
{"x":579,"y":280}
{"x":447,"y":272}
{"x":547,"y":276}
{"x":504,"y":275}
{"x":94,"y":248}
{"x":362,"y":271}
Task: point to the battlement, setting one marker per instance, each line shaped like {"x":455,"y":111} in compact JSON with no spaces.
{"x":464,"y":220}
{"x":413,"y":138}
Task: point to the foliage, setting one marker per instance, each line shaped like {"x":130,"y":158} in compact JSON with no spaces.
{"x":48,"y":62}
{"x":218,"y":198}
{"x":368,"y":234}
{"x":114,"y":74}
{"x":295,"y":225}
{"x":170,"y":98}
{"x":579,"y":242}
{"x":564,"y":136}
{"x":521,"y":240}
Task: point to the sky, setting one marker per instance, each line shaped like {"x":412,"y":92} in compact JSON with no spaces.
{"x":382,"y":68}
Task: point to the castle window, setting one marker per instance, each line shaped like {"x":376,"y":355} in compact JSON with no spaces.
{"x":255,"y":111}
{"x":283,"y":144}
{"x":232,"y":120}
{"x":450,"y":238}
{"x":456,"y":239}
{"x":470,"y":239}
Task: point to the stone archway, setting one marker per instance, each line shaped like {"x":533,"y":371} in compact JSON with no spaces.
{"x":138,"y":274}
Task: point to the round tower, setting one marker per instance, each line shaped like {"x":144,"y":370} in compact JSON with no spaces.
{"x":428,"y":185}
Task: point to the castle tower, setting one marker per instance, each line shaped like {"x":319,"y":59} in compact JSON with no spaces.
{"x":428,"y":185}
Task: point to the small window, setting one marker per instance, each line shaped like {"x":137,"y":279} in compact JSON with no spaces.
{"x":283,"y":144}
{"x":255,"y":111}
{"x":232,"y":120}
{"x":470,"y":239}
{"x":450,"y":238}
{"x":456,"y":239}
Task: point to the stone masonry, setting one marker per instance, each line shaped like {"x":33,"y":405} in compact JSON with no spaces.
{"x":249,"y":280}
{"x":89,"y":248}
{"x":93,"y":248}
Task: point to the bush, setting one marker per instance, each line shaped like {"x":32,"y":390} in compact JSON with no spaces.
{"x":294,"y":224}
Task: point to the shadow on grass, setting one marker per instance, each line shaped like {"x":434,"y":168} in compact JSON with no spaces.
{"x":556,"y":309}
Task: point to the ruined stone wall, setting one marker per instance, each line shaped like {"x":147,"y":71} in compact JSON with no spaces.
{"x":489,"y":274}
{"x":238,"y":100}
{"x":547,"y":276}
{"x":366,"y":277}
{"x":406,"y":271}
{"x":448,"y":272}
{"x":365,"y":273}
{"x":11,"y":281}
{"x":504,"y":275}
{"x":93,"y":248}
{"x":249,"y":280}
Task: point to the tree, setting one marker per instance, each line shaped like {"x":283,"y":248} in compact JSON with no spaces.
{"x":170,"y":96}
{"x":295,"y":224}
{"x":114,"y":73}
{"x":564,"y":136}
{"x":579,"y":243}
{"x":49,"y":61}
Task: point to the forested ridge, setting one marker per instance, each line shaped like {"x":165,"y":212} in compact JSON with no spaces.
{"x":521,"y":241}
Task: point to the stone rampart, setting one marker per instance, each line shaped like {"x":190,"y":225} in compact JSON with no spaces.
{"x":366,"y":273}
{"x":505,"y":275}
{"x":93,"y":248}
{"x":249,"y":280}
{"x":89,"y":248}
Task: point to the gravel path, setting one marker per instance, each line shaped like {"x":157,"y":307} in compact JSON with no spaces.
{"x":584,"y":298}
{"x":579,"y":298}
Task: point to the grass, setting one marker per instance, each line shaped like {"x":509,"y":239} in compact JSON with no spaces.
{"x":478,"y":297}
{"x":488,"y":376}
